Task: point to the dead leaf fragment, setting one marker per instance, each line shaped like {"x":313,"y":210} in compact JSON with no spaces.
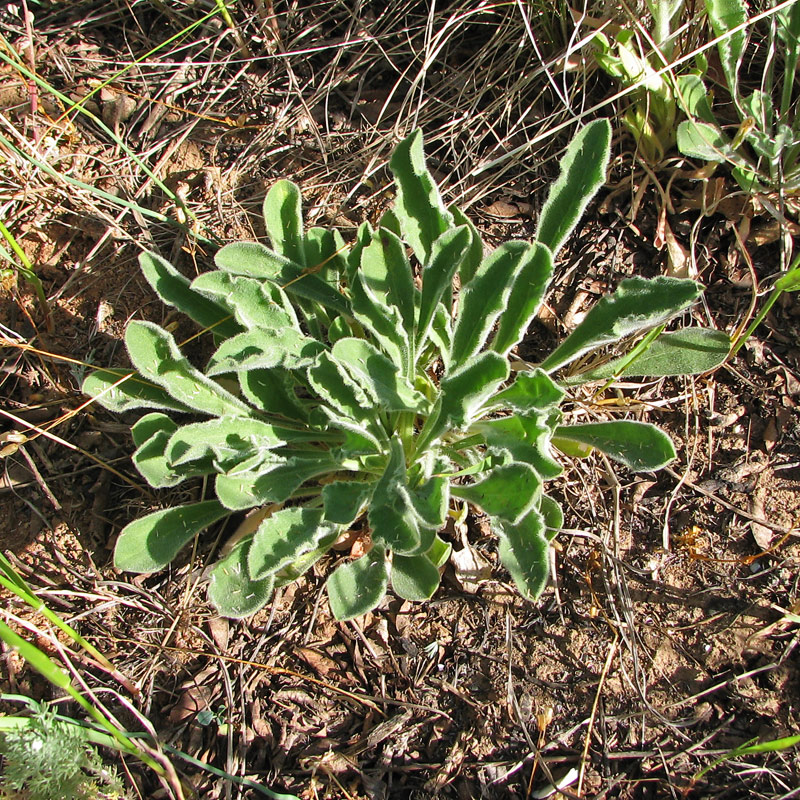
{"x":471,"y":568}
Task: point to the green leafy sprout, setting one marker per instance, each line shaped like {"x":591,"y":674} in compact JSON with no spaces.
{"x":352,"y":388}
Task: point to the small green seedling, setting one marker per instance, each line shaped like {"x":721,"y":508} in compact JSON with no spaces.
{"x":764,"y":152}
{"x":353,"y":389}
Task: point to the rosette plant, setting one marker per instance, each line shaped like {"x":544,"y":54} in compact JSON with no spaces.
{"x":353,"y":388}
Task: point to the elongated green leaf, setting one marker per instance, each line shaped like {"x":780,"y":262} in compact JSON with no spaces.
{"x":524,"y":553}
{"x":419,"y":209}
{"x":384,"y":322}
{"x":694,"y":98}
{"x":638,"y":445}
{"x":414,"y":578}
{"x":257,"y":261}
{"x":530,"y":392}
{"x":149,"y":543}
{"x":358,"y":438}
{"x":385,"y":269}
{"x":358,"y":586}
{"x":552,"y":515}
{"x":228,"y":440}
{"x":686,"y":352}
{"x":704,"y":141}
{"x":285,"y":536}
{"x":485,"y":297}
{"x":447,"y":255}
{"x":583,"y":171}
{"x":37,"y":658}
{"x":122,"y":390}
{"x":264,"y":348}
{"x":508,"y":492}
{"x":430,"y":501}
{"x":151,"y":433}
{"x":526,"y":437}
{"x":332,"y":382}
{"x":636,"y":305}
{"x":530,"y":283}
{"x":255,"y":303}
{"x":154,"y":353}
{"x":378,"y":376}
{"x":325,"y":253}
{"x":345,"y":500}
{"x":283,"y":218}
{"x":175,"y":290}
{"x":474,"y":257}
{"x":231,"y":589}
{"x":273,"y":482}
{"x":463,"y":392}
{"x":724,"y":16}
{"x":391,"y":515}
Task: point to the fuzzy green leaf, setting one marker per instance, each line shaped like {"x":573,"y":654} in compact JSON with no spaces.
{"x":385,"y":269}
{"x":526,"y":437}
{"x":151,"y":433}
{"x":357,"y":587}
{"x":262,"y":348}
{"x":419,"y":209}
{"x":384,"y":322}
{"x":638,"y":445}
{"x":135,"y":391}
{"x":553,"y":516}
{"x":273,"y":391}
{"x":284,"y":537}
{"x":378,"y":376}
{"x":255,"y":303}
{"x":229,"y":440}
{"x":524,"y":553}
{"x":463,"y":392}
{"x":583,"y":172}
{"x":704,"y":141}
{"x":332,"y":382}
{"x":508,"y":491}
{"x":176,"y":291}
{"x":636,"y":305}
{"x":232,"y":591}
{"x":345,"y":500}
{"x":486,"y":297}
{"x":283,"y":219}
{"x":391,"y":515}
{"x":155,"y":354}
{"x":149,"y":543}
{"x":474,"y":257}
{"x":414,"y":578}
{"x":447,"y":255}
{"x":257,"y":261}
{"x":686,"y":352}
{"x":272,"y":482}
{"x":530,"y":283}
{"x":530,"y":392}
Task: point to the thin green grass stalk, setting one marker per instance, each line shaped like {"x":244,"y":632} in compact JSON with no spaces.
{"x":99,"y":737}
{"x":93,"y":190}
{"x":79,"y":107}
{"x":234,"y":28}
{"x":788,"y":282}
{"x":48,"y":669}
{"x":749,"y":749}
{"x":25,"y":268}
{"x":11,"y":580}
